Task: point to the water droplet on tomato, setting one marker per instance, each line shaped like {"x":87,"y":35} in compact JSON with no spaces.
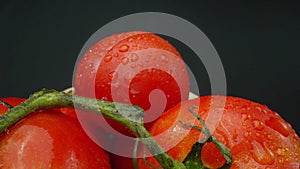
{"x":107,"y":58}
{"x":280,"y":151}
{"x":124,"y":48}
{"x":132,"y":66}
{"x":80,"y":75}
{"x":6,"y":131}
{"x":109,"y":48}
{"x":116,"y":55}
{"x":235,"y":136}
{"x":113,"y":75}
{"x":141,"y":64}
{"x":134,"y":57}
{"x":269,"y":136}
{"x":125,"y":61}
{"x":91,"y":65}
{"x":246,"y":134}
{"x":278,"y":125}
{"x":133,"y":91}
{"x":104,"y":98}
{"x":262,"y":154}
{"x":164,"y":59}
{"x":130,"y":39}
{"x":258,"y":125}
{"x":244,"y":117}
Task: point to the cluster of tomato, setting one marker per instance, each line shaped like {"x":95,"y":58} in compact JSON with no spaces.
{"x":143,"y":69}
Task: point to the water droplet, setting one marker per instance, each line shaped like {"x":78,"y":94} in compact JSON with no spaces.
{"x":124,"y":48}
{"x":125,"y":61}
{"x":133,"y":91}
{"x":80,"y":75}
{"x":246,"y":134}
{"x":280,"y":151}
{"x":91,"y":65}
{"x":90,"y":51}
{"x":244,"y":117}
{"x":116,"y":55}
{"x":278,"y":125}
{"x":107,"y":58}
{"x":261,"y":153}
{"x":141,"y":64}
{"x":104,"y":98}
{"x":258,"y":125}
{"x":235,"y":136}
{"x":134,"y":57}
{"x":6,"y":131}
{"x":113,"y":75}
{"x":133,"y":66}
{"x":258,"y":109}
{"x":130,"y":39}
{"x":164,"y":59}
{"x":109,"y":48}
{"x":269,"y":136}
{"x":134,"y":45}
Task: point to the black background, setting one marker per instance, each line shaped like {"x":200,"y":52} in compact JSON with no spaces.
{"x":258,"y":43}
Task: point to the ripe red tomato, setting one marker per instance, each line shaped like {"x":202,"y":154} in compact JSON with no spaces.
{"x":128,"y":68}
{"x":257,"y":136}
{"x":48,"y":139}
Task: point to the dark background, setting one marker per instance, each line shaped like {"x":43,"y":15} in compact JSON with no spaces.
{"x":258,"y":44}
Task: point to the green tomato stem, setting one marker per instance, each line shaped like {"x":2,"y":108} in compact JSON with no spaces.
{"x":128,"y":115}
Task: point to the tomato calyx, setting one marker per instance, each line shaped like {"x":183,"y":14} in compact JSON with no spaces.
{"x":193,"y":159}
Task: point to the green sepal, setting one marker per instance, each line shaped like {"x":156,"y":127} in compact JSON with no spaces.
{"x":193,"y":159}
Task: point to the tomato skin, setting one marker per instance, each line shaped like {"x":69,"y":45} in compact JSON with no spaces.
{"x":257,"y":136}
{"x":126,"y":67}
{"x":48,"y":139}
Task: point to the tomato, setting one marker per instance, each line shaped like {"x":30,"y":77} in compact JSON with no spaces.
{"x":48,"y":139}
{"x":138,"y":68}
{"x":257,"y":136}
{"x":124,"y":149}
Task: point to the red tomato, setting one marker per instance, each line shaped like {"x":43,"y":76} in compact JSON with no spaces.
{"x":257,"y":136}
{"x":128,"y":68}
{"x":48,"y":139}
{"x":124,"y":149}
